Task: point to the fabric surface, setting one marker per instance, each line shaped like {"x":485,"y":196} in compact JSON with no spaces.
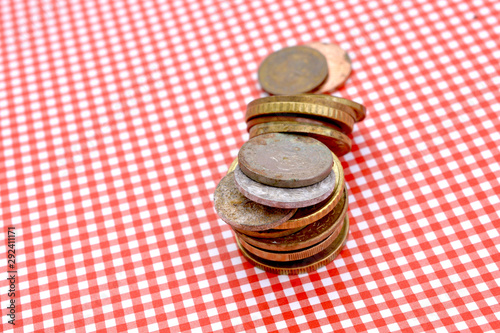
{"x":119,"y":118}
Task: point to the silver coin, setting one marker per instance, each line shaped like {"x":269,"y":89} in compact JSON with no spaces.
{"x":284,"y":197}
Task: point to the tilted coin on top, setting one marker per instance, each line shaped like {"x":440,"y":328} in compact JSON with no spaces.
{"x":293,"y":70}
{"x":285,"y":160}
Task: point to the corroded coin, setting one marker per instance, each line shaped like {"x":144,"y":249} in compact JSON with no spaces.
{"x":284,"y":197}
{"x":310,"y":235}
{"x":338,"y":142}
{"x":242,"y":213}
{"x":305,"y":265}
{"x":271,"y":233}
{"x":339,"y":65}
{"x":285,"y":160}
{"x":308,"y":215}
{"x":293,"y":70}
{"x":292,"y":255}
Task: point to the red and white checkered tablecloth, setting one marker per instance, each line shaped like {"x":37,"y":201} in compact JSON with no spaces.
{"x":118,"y":119}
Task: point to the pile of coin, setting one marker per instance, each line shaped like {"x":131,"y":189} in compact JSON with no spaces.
{"x":313,"y":67}
{"x":285,"y":196}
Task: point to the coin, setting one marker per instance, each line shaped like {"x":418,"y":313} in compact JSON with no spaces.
{"x":339,"y":65}
{"x":308,"y":215}
{"x":292,"y":70}
{"x":292,"y":255}
{"x":285,"y":160}
{"x":338,"y":142}
{"x":284,"y":197}
{"x":242,"y":213}
{"x":305,"y":265}
{"x":271,"y":233}
{"x":318,"y":108}
{"x":359,"y":109}
{"x":302,"y":119}
{"x":310,"y":235}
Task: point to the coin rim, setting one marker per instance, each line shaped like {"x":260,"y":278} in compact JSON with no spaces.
{"x":329,"y":257}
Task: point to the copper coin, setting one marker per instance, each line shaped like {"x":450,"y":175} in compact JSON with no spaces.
{"x":305,"y":265}
{"x":310,"y":235}
{"x":284,"y":197}
{"x":324,"y":106}
{"x":339,"y":65}
{"x":308,"y":215}
{"x":303,"y":119}
{"x":285,"y":160}
{"x":293,"y":255}
{"x":242,"y":213}
{"x":292,"y":70}
{"x":338,"y":142}
{"x":271,"y":233}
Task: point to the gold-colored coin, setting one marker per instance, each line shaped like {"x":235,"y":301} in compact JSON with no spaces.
{"x":292,"y":255}
{"x":359,"y":109}
{"x":305,"y":265}
{"x":305,"y":106}
{"x":271,"y":233}
{"x":308,"y":215}
{"x":301,"y":119}
{"x":293,"y":70}
{"x":338,"y":142}
{"x":310,"y":235}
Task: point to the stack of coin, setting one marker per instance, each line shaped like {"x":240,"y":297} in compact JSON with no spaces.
{"x":314,"y":67}
{"x":285,"y":198}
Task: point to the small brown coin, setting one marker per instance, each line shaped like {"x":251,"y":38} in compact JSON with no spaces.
{"x":308,"y":215}
{"x":293,"y":118}
{"x":285,"y":160}
{"x":338,"y":142}
{"x":284,"y":197}
{"x":305,"y":265}
{"x":242,"y":213}
{"x":293,"y":255}
{"x":310,"y":235}
{"x":292,"y":70}
{"x":271,"y":233}
{"x":339,"y":65}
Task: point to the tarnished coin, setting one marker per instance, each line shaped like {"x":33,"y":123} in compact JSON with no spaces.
{"x":338,"y":142}
{"x":339,"y":65}
{"x":292,"y":255}
{"x":271,"y":233}
{"x":284,"y":197}
{"x":242,"y":213}
{"x":285,"y":160}
{"x":306,"y":265}
{"x":310,"y":235}
{"x":292,"y":70}
{"x":308,"y":215}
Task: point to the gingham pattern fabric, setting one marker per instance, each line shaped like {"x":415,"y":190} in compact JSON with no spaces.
{"x":118,"y":119}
